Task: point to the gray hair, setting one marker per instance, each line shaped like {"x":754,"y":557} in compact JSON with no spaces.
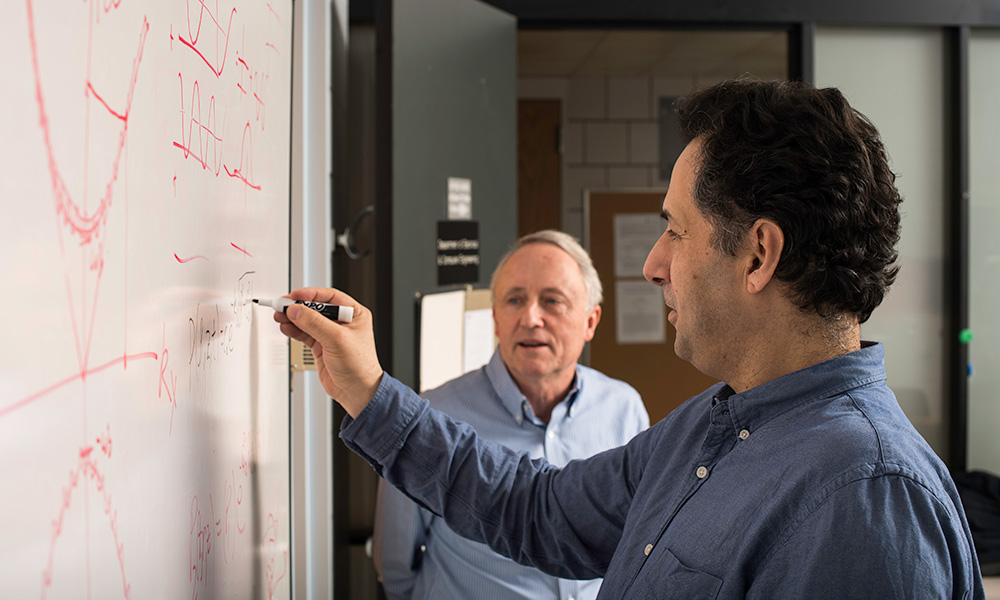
{"x":569,"y":245}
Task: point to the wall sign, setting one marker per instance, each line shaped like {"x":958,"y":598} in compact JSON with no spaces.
{"x":459,"y":199}
{"x":457,"y":252}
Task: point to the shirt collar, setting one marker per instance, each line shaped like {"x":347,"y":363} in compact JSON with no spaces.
{"x":510,"y":395}
{"x":755,"y":407}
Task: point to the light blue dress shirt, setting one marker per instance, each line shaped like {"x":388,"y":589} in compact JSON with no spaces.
{"x":813,"y":485}
{"x":418,"y":556}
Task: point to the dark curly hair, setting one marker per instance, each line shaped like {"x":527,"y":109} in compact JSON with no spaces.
{"x":805,"y":159}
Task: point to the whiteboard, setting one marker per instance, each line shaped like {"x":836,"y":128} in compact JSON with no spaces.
{"x":144,"y":404}
{"x":455,"y":333}
{"x":440,"y":332}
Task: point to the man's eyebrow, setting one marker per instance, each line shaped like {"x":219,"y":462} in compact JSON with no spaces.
{"x":554,"y":290}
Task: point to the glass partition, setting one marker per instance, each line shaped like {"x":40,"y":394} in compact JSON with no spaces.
{"x":895,"y":77}
{"x":984,"y":250}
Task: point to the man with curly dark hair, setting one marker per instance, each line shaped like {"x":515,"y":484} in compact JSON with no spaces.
{"x":798,"y":476}
{"x":816,"y":168}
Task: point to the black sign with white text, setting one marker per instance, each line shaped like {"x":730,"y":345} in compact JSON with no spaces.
{"x":457,"y":252}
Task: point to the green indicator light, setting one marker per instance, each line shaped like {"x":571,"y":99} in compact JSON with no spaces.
{"x":965,"y":336}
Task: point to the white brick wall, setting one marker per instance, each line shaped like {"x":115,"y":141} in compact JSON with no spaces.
{"x":628,"y":177}
{"x":643,"y":142}
{"x":630,"y":98}
{"x":606,"y":142}
{"x":587,"y":98}
{"x":610,"y":133}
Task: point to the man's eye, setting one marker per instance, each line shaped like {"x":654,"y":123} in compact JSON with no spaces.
{"x":673,"y":234}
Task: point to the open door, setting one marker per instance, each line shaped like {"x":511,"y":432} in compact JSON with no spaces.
{"x":452,"y":114}
{"x":445,"y":106}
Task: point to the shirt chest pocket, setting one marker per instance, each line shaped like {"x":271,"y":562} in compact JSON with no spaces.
{"x":663,"y":576}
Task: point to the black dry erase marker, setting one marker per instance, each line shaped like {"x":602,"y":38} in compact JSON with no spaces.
{"x":344,"y":314}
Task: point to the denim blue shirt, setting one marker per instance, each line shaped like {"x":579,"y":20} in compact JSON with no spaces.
{"x":813,"y":485}
{"x":418,"y":556}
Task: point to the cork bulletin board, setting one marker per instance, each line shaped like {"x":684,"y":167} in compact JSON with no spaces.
{"x":644,"y":355}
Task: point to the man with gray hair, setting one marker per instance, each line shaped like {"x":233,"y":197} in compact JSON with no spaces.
{"x":532,"y":396}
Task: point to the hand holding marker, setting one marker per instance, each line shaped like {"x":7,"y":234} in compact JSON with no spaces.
{"x":344,"y":314}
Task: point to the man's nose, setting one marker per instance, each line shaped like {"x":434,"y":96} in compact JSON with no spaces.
{"x":656,"y":269}
{"x":532,"y":315}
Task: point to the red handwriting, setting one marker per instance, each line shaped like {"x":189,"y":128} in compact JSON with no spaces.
{"x":109,"y":5}
{"x":104,"y":441}
{"x":198,"y":136}
{"x":188,"y":259}
{"x":195,"y":36}
{"x":245,"y":171}
{"x":256,"y":81}
{"x":246,"y":466}
{"x":239,"y":502}
{"x":88,"y":469}
{"x":270,"y":544}
{"x":87,"y":226}
{"x":223,"y":529}
{"x":93,"y":92}
{"x":83,"y":225}
{"x":199,"y":547}
{"x":240,"y":249}
{"x":168,"y":381}
{"x":271,"y":8}
{"x":6,"y":410}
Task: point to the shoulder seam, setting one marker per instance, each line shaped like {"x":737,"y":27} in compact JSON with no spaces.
{"x":856,"y":475}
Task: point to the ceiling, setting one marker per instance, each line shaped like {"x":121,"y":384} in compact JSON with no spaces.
{"x":629,"y":53}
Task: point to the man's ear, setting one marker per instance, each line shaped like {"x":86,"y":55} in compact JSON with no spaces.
{"x":592,"y":320}
{"x":767,"y":242}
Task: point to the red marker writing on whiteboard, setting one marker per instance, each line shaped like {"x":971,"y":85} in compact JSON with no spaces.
{"x":344,"y":314}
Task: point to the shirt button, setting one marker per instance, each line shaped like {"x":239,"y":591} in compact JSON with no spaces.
{"x":702,"y":472}
{"x":648,"y":549}
{"x":744,"y":434}
{"x":552,"y":435}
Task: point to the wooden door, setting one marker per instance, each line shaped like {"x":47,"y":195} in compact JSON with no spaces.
{"x":538,"y":165}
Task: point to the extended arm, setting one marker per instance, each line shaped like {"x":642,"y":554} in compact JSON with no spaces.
{"x":566,"y":523}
